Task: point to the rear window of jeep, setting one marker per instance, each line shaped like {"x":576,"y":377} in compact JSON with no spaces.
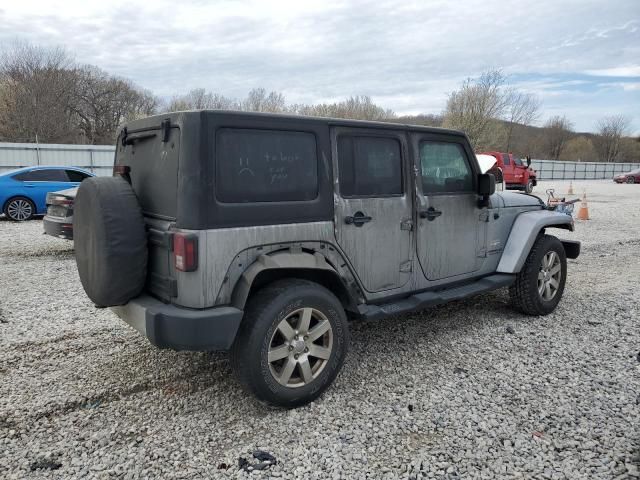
{"x":265,"y":166}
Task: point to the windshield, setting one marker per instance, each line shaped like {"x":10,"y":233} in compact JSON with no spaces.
{"x":517,"y":161}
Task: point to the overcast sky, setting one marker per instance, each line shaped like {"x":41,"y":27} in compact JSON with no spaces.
{"x":582,"y":57}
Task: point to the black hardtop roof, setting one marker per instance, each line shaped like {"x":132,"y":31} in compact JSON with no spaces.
{"x":179,"y":117}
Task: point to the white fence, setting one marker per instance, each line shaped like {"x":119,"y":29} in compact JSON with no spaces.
{"x":95,"y":158}
{"x":556,"y":170}
{"x":99,"y":159}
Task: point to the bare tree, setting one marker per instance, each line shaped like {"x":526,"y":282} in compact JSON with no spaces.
{"x":427,"y":119}
{"x":522,"y":109}
{"x":37,"y":88}
{"x":610,"y":132}
{"x":476,"y":105}
{"x":258,"y":100}
{"x":46,"y":97}
{"x":579,"y":148}
{"x":200,"y":99}
{"x":103,"y":102}
{"x":358,"y":108}
{"x":557,"y":131}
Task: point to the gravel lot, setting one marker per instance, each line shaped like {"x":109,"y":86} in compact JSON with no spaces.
{"x":467,"y":390}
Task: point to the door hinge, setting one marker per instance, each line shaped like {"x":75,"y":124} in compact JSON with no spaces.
{"x":406,"y":225}
{"x":406,"y":266}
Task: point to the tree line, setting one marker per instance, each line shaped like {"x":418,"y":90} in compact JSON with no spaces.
{"x":47,"y":97}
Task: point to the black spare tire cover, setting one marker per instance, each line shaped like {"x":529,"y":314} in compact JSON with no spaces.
{"x":110,"y":241}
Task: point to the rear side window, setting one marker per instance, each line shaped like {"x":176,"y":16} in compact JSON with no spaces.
{"x":265,"y":166}
{"x":42,"y":175}
{"x":369,"y":166}
{"x":75,"y":176}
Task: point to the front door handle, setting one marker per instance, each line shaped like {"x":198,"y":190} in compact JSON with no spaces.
{"x":358,"y":219}
{"x":430,"y":213}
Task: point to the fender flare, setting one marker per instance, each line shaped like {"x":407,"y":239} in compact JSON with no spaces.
{"x":524,"y":232}
{"x":280,"y":260}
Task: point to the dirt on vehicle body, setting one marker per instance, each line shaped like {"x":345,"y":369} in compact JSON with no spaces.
{"x":264,"y":234}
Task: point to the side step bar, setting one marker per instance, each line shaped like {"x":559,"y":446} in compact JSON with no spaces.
{"x":420,"y":301}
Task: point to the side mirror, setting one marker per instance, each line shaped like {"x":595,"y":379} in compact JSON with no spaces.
{"x":528,"y":161}
{"x":486,"y":188}
{"x":486,"y":184}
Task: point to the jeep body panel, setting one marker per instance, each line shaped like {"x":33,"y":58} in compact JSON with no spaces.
{"x":375,"y":232}
{"x":523,"y":234}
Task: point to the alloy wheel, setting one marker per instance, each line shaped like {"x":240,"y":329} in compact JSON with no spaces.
{"x":300,"y":347}
{"x":549,"y":276}
{"x":19,"y":210}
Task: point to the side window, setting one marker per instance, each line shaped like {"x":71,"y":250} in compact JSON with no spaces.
{"x":444,"y":168}
{"x":22,"y":177}
{"x":43,"y":175}
{"x":506,"y":159}
{"x":265,"y":166}
{"x":76,"y":176}
{"x":369,"y":166}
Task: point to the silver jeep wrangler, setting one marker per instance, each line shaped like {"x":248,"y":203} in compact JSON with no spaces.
{"x":265,"y":234}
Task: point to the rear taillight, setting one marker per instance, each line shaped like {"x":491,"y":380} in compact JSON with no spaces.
{"x":122,"y":170}
{"x":185,"y":251}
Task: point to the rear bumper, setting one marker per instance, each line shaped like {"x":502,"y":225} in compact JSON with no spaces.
{"x":169,"y":326}
{"x":58,"y":227}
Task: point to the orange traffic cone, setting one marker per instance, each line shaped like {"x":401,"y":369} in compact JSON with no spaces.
{"x":570,"y":191}
{"x":583,"y":211}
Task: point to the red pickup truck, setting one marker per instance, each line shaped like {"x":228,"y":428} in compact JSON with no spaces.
{"x":517,"y":174}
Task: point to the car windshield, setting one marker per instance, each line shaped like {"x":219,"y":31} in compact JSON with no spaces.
{"x":634,"y":172}
{"x":517,"y":161}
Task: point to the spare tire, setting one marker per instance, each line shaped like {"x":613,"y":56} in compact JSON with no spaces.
{"x":110,"y":241}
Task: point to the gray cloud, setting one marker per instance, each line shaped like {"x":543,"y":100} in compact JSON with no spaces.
{"x":405,"y":55}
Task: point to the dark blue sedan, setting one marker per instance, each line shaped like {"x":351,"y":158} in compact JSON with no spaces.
{"x":23,"y":192}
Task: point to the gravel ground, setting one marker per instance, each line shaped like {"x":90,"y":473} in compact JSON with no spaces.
{"x":467,"y":390}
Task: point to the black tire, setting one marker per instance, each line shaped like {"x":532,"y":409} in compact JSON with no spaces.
{"x":14,"y":212}
{"x":631,"y":180}
{"x":264,"y":313}
{"x":529,"y":187}
{"x":524,"y":294}
{"x":110,"y":241}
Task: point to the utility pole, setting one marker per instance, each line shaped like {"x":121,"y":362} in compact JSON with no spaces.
{"x":37,"y":150}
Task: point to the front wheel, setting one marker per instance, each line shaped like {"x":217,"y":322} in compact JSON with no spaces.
{"x":631,"y":180}
{"x":540,"y":284}
{"x":291,"y":344}
{"x":20,"y":209}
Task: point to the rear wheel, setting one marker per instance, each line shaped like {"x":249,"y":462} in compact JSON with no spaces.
{"x":540,"y":284}
{"x":291,"y":344}
{"x":20,"y":209}
{"x":529,"y":186}
{"x":631,"y":180}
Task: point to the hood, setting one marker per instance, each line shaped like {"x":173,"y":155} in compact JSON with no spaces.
{"x":486,"y":162}
{"x":515,"y":199}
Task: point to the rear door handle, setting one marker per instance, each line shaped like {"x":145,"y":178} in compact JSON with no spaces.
{"x":358,"y":219}
{"x":430,"y":213}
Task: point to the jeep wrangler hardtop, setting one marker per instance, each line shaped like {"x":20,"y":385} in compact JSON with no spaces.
{"x":264,"y":234}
